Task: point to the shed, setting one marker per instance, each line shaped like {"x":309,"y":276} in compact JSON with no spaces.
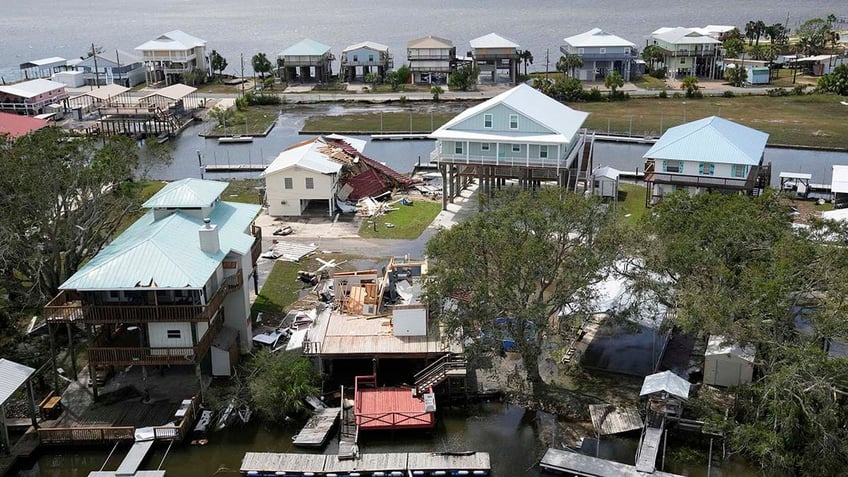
{"x":759,"y":75}
{"x":225,"y":351}
{"x":665,"y":384}
{"x":73,"y":79}
{"x":727,"y":364}
{"x":839,"y":186}
{"x":179,"y":96}
{"x":605,"y":182}
{"x":12,"y":376}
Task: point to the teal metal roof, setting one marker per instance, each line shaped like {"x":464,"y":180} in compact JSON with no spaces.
{"x":711,"y":139}
{"x":166,"y":253}
{"x":187,"y":193}
{"x":306,"y":47}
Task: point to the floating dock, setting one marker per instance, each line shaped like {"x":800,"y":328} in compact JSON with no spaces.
{"x":317,"y":429}
{"x":235,"y":167}
{"x":129,"y":466}
{"x":401,"y":137}
{"x":586,"y":466}
{"x":376,"y":465}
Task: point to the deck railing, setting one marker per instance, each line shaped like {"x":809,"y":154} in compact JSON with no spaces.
{"x":67,"y":307}
{"x":180,"y":432}
{"x":75,"y":435}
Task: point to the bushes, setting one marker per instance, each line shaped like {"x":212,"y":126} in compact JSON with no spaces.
{"x":253,"y":99}
{"x":658,"y":73}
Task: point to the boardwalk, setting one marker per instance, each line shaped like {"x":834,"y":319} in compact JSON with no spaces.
{"x":317,"y":428}
{"x":470,"y":463}
{"x":648,"y":449}
{"x":585,"y":466}
{"x":129,"y":466}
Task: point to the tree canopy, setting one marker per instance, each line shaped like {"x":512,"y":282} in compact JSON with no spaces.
{"x":261,"y":64}
{"x":278,"y":383}
{"x":464,"y":77}
{"x":835,"y":82}
{"x":515,"y":269}
{"x":217,"y":62}
{"x":568,"y":64}
{"x":736,"y":76}
{"x":613,"y":81}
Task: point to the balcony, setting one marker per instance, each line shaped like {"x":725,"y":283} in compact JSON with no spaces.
{"x":102,"y":354}
{"x":692,"y":52}
{"x":705,"y":181}
{"x":67,"y":307}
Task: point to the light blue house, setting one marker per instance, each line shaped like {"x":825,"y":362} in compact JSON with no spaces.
{"x":305,"y":61}
{"x":520,"y":134}
{"x":162,"y":292}
{"x":601,"y":53}
{"x":113,"y":67}
{"x":367,"y":57}
{"x":710,"y":154}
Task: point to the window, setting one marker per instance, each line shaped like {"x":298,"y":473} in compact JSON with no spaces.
{"x":174,"y":334}
{"x":371,"y":58}
{"x":114,"y":294}
{"x":682,"y":61}
{"x":487,"y":120}
{"x":603,"y":51}
{"x":513,"y":121}
{"x":740,"y":170}
{"x":706,"y":169}
{"x":516,"y":148}
{"x":457,"y":148}
{"x":287,"y":183}
{"x":484,"y":146}
{"x":580,"y":51}
{"x":543,"y":152}
{"x":627,"y":51}
{"x":355,"y":58}
{"x":310,"y":183}
{"x":673,"y":166}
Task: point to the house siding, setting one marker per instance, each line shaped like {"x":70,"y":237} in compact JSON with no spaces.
{"x":364,"y":57}
{"x":158,"y":335}
{"x":276,"y":193}
{"x":500,"y":122}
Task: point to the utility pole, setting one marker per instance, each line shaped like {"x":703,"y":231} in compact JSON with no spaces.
{"x":547,"y":61}
{"x":96,"y":70}
{"x":242,"y":74}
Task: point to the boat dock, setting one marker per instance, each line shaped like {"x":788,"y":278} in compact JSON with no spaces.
{"x":648,"y":449}
{"x":573,"y":463}
{"x":401,"y":137}
{"x":383,"y":464}
{"x":317,"y":429}
{"x":129,"y":466}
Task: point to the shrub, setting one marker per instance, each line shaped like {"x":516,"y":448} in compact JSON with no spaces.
{"x":594,"y":94}
{"x":664,"y":93}
{"x":728,"y":94}
{"x":799,"y":90}
{"x":676,"y":95}
{"x":659,"y":73}
{"x":777,"y":92}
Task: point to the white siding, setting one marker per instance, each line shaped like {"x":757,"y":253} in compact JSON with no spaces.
{"x":286,"y":202}
{"x":158,"y":335}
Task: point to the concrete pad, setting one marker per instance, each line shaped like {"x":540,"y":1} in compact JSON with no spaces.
{"x":301,"y":88}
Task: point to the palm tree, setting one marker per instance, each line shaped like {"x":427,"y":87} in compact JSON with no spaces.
{"x":613,"y":81}
{"x":526,"y":56}
{"x":568,"y":64}
{"x":690,"y":84}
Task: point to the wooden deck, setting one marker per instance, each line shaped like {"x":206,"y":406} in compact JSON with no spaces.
{"x":617,"y":420}
{"x":650,"y":445}
{"x":317,"y":429}
{"x":388,"y":408}
{"x":476,"y":463}
{"x":585,"y":466}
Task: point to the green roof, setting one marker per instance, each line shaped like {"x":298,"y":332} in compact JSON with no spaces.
{"x":306,"y":47}
{"x":187,"y":193}
{"x":166,"y":253}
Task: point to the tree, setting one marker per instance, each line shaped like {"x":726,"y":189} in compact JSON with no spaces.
{"x":222,"y":115}
{"x":61,"y":200}
{"x":813,"y":35}
{"x":530,"y":259}
{"x":464,"y":77}
{"x":373,"y":79}
{"x":217,"y":62}
{"x":734,"y":33}
{"x":733,"y":46}
{"x":690,"y":85}
{"x":778,"y":34}
{"x":393,"y":80}
{"x":754,"y":30}
{"x":835,"y":82}
{"x":261,"y":64}
{"x":652,"y":54}
{"x":436,"y":91}
{"x":278,"y":383}
{"x":568,"y":64}
{"x":613,"y":81}
{"x":403,"y":74}
{"x":736,"y":76}
{"x":526,"y":57}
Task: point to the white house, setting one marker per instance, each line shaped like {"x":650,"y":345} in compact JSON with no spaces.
{"x":363,"y":58}
{"x":727,"y":364}
{"x":708,"y":154}
{"x":601,"y":53}
{"x":495,"y":56}
{"x":431,"y":59}
{"x":521,"y":133}
{"x":161,"y":291}
{"x":687,"y":51}
{"x":170,"y":55}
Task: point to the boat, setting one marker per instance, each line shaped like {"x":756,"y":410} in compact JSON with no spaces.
{"x":235,"y":139}
{"x":287,"y":230}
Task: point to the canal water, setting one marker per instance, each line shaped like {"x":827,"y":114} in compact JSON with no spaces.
{"x":515,"y":438}
{"x":403,"y":155}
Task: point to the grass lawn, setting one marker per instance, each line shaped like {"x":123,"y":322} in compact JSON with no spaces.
{"x":794,"y":120}
{"x":282,"y":288}
{"x":632,"y":206}
{"x":409,"y":221}
{"x":649,"y":82}
{"x":254,"y":120}
{"x":376,"y":123}
{"x":243,"y":190}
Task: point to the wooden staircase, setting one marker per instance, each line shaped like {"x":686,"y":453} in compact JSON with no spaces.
{"x":449,"y":365}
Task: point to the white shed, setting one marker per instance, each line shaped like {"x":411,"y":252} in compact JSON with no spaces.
{"x":225,"y":351}
{"x":605,"y":182}
{"x":727,"y":364}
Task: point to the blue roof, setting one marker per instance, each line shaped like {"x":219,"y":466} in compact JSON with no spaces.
{"x":166,"y":253}
{"x":711,"y":139}
{"x":306,"y":47}
{"x":187,"y":193}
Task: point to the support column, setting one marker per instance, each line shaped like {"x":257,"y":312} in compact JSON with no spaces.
{"x":199,"y":380}
{"x":92,"y":377}
{"x":31,"y":403}
{"x":444,"y":186}
{"x":7,"y":445}
{"x":53,"y":358}
{"x":480,"y":188}
{"x":72,"y":351}
{"x":457,"y":190}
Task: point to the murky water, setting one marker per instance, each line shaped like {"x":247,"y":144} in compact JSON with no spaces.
{"x":515,"y":438}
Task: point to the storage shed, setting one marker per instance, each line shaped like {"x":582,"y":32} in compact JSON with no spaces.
{"x":225,"y":351}
{"x":727,"y":364}
{"x":605,"y":182}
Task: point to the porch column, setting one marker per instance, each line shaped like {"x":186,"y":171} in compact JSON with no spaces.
{"x":444,"y":186}
{"x":7,"y":445}
{"x":31,"y":403}
{"x":72,"y":351}
{"x":53,"y":358}
{"x":92,"y":377}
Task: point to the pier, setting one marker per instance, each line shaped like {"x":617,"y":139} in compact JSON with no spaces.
{"x":129,"y":466}
{"x":384,"y":464}
{"x":401,"y":137}
{"x":586,"y":466}
{"x":317,"y":429}
{"x":234,"y":167}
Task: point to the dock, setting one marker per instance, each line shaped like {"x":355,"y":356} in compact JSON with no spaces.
{"x":586,"y":466}
{"x":401,"y":137}
{"x":387,"y":464}
{"x":317,"y":429}
{"x":235,"y":167}
{"x":129,"y":466}
{"x":648,"y":449}
{"x":235,"y":139}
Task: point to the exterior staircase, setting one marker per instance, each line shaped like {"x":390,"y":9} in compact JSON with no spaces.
{"x":449,"y":365}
